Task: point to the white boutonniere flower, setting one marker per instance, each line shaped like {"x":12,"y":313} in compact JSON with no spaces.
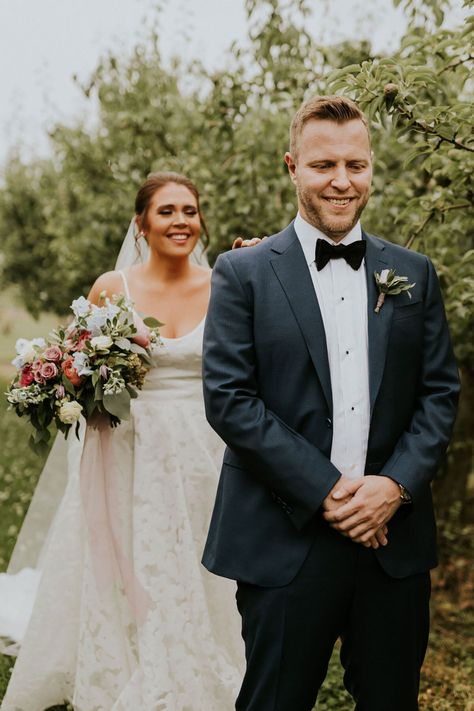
{"x":389,"y":284}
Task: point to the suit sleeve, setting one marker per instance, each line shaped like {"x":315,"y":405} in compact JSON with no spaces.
{"x":416,"y":457}
{"x":279,"y":458}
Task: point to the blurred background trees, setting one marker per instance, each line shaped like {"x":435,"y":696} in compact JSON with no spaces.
{"x":62,"y":219}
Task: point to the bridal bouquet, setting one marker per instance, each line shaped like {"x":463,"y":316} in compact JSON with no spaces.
{"x":92,"y":367}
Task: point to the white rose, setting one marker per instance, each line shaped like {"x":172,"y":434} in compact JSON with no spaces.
{"x":384,"y":276}
{"x":80,"y":307}
{"x":101,"y":343}
{"x":70,"y":412}
{"x":26,"y":350}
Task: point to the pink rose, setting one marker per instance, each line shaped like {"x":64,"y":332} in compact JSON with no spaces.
{"x":142,"y":336}
{"x":38,"y":377}
{"x":53,"y":353}
{"x":80,"y":338}
{"x":27,"y":376}
{"x":60,"y":391}
{"x":36,"y":366}
{"x":49,"y":370}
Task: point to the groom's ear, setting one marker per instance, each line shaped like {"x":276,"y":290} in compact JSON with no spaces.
{"x":291,"y":166}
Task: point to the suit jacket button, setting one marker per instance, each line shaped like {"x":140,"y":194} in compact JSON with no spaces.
{"x":329,"y":422}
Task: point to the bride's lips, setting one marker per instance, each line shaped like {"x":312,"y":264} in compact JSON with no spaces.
{"x":179,"y":237}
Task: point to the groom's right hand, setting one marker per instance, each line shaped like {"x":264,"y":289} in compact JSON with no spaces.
{"x":331,"y":504}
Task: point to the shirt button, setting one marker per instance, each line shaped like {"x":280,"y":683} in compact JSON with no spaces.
{"x":352,"y":408}
{"x":347,"y":352}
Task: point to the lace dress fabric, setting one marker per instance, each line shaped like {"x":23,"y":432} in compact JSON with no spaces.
{"x":83,"y":643}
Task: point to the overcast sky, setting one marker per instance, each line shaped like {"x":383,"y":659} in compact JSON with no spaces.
{"x":43,"y":43}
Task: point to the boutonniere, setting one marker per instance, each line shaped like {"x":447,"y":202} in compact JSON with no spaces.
{"x":389,"y":284}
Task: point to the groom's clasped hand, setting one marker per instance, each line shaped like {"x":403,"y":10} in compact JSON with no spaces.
{"x":361,"y":508}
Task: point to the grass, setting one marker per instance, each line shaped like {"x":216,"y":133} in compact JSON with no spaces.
{"x":19,"y":471}
{"x":448,"y":674}
{"x":16,"y":323}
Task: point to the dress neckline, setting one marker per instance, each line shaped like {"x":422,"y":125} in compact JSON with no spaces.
{"x":163,"y":338}
{"x":185,"y":335}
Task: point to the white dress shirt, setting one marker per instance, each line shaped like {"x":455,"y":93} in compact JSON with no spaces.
{"x":342,"y":296}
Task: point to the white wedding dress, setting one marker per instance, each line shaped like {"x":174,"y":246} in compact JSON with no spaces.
{"x":85,"y":644}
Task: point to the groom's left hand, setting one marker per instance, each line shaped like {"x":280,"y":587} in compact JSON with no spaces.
{"x":373,"y":502}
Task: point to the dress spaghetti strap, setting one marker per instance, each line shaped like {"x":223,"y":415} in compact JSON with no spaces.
{"x":125,"y":283}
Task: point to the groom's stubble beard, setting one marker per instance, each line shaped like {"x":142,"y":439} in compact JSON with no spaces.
{"x":334,"y":228}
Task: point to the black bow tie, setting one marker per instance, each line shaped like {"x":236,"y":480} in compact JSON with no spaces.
{"x":352,"y":253}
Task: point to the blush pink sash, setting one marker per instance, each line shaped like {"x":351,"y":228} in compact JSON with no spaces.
{"x":100,"y":500}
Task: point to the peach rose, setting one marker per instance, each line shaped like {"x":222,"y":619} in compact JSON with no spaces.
{"x":70,"y":372}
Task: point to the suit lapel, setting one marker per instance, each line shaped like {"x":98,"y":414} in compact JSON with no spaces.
{"x":292,"y":272}
{"x":378,"y":325}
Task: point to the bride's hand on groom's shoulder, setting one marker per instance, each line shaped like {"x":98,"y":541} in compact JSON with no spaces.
{"x":242,"y":242}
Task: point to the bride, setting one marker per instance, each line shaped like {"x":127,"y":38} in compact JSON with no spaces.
{"x":166,"y":636}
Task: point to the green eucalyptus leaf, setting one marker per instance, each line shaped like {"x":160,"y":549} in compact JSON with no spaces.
{"x":118,"y":404}
{"x":152,"y":322}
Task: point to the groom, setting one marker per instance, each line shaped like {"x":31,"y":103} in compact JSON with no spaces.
{"x":335,"y":419}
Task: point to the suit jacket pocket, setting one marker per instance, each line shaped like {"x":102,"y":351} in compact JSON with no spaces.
{"x":405,"y":310}
{"x":233,"y":460}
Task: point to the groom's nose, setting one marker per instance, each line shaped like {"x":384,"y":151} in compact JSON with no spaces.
{"x":340,"y":179}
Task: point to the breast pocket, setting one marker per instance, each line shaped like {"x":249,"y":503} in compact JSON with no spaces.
{"x":407,"y":310}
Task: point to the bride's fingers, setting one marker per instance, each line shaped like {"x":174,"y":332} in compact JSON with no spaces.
{"x":241,"y":242}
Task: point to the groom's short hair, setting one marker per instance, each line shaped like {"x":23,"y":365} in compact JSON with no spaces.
{"x":324,"y":108}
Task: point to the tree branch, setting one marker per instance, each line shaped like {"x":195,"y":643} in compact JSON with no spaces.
{"x":453,"y":65}
{"x":430,"y":216}
{"x":455,"y":207}
{"x":420,"y":229}
{"x":418,"y":125}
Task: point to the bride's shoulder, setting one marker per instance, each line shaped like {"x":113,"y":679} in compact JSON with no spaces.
{"x":110,"y":282}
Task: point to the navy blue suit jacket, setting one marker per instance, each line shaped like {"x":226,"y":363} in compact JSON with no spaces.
{"x":267,"y":393}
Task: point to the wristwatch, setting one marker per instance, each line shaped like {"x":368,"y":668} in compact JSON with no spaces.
{"x":405,"y":497}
